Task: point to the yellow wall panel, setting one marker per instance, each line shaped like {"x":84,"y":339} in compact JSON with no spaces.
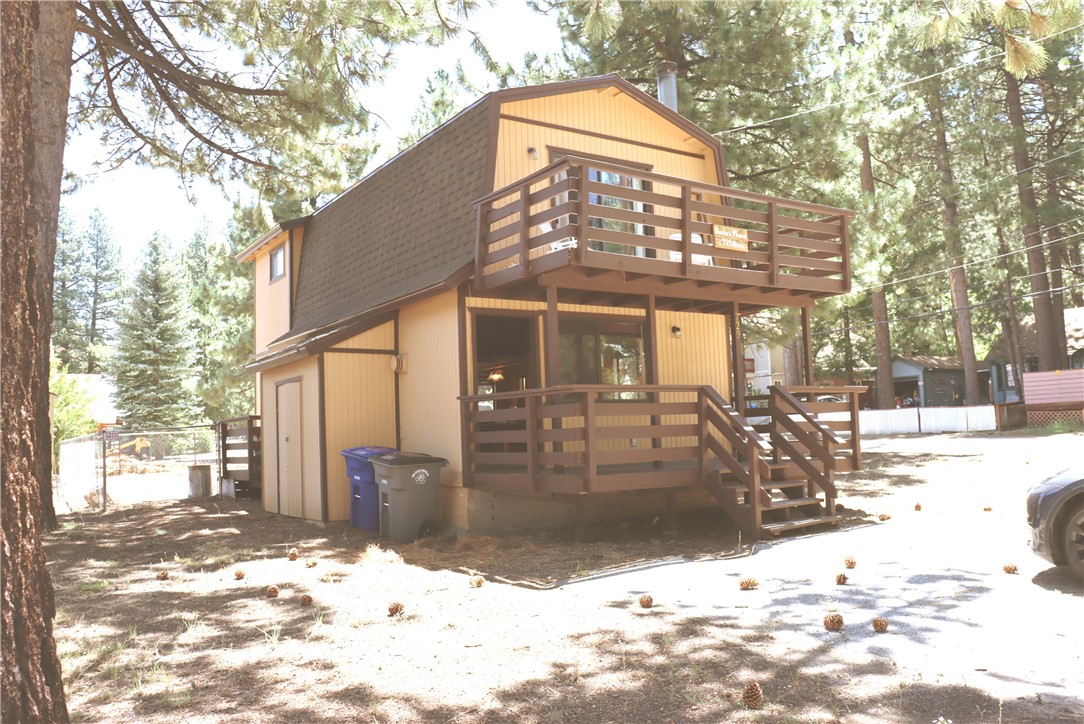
{"x":382,"y":337}
{"x":359,"y":409}
{"x":429,"y":384}
{"x":608,"y":112}
{"x":271,"y":298}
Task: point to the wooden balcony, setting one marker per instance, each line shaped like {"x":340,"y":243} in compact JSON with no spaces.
{"x":611,"y":230}
{"x":578,"y":440}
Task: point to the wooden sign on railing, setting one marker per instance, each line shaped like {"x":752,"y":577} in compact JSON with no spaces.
{"x":730,"y":237}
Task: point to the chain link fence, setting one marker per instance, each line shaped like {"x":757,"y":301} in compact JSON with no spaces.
{"x":122,"y":467}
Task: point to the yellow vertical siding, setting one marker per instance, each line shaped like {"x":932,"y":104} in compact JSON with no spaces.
{"x":429,"y":383}
{"x":359,"y":409}
{"x":308,"y":374}
{"x":271,"y":299}
{"x":382,"y":337}
{"x":607,"y":112}
{"x":700,"y":356}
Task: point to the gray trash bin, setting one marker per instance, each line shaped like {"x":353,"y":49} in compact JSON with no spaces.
{"x":407,"y":484}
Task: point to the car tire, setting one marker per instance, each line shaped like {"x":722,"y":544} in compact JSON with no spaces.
{"x":1072,"y":538}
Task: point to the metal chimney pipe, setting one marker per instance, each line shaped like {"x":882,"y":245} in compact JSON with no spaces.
{"x":666,"y":77}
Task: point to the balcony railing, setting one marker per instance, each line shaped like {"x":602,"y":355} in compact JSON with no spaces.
{"x":584,"y":213}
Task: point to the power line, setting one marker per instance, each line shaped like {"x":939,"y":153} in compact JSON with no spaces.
{"x":972,"y":263}
{"x":953,"y":310}
{"x":884,"y":91}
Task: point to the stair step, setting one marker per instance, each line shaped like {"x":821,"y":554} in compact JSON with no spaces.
{"x":781,"y":484}
{"x":784,"y":526}
{"x":780,"y":503}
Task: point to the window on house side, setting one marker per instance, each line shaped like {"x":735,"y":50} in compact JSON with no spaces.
{"x":278,"y":262}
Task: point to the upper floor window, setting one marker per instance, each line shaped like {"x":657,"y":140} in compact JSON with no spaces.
{"x":278,"y":262}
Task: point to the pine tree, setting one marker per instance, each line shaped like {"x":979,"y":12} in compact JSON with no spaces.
{"x":70,"y":297}
{"x":153,"y":362}
{"x":438,"y":104}
{"x":104,"y":277}
{"x":225,"y":386}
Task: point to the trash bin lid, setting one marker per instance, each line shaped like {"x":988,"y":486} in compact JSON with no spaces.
{"x":364,"y":453}
{"x":397,"y":459}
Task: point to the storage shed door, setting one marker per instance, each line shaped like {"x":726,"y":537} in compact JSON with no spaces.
{"x":288,"y":415}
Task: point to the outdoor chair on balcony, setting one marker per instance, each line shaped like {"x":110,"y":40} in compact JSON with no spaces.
{"x":702,"y":259}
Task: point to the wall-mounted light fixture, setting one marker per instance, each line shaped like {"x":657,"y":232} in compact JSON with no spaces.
{"x":495,"y":376}
{"x":676,"y":330}
{"x":532,"y":152}
{"x":398,"y":363}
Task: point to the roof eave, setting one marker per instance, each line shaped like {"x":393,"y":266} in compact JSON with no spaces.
{"x":268,"y":236}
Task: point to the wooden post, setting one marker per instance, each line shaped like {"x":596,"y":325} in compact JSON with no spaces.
{"x":481,"y":248}
{"x":589,"y":422}
{"x":856,"y":437}
{"x":551,"y":334}
{"x":525,"y":230}
{"x":581,"y":207}
{"x":737,"y":353}
{"x":807,"y":348}
{"x":686,"y":230}
{"x":222,"y":451}
{"x":845,"y":248}
{"x":773,"y":246}
{"x":653,"y":366}
{"x":532,"y":440}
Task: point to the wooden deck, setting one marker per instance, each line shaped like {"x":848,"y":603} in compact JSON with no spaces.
{"x":580,"y":440}
{"x":613,"y":230}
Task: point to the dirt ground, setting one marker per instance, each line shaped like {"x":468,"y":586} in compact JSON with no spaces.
{"x":555,"y":631}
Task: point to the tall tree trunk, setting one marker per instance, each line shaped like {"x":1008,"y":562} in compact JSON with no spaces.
{"x":848,"y":346}
{"x":792,"y":362}
{"x":1011,"y":322}
{"x":35,"y":55}
{"x":1075,"y":258}
{"x":1040,"y":284}
{"x":1055,"y":235}
{"x":886,"y":388}
{"x":950,"y":215}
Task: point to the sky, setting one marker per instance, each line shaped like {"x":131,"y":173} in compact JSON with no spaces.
{"x":138,"y":201}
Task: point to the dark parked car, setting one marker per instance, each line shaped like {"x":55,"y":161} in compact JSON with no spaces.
{"x":1056,"y":517}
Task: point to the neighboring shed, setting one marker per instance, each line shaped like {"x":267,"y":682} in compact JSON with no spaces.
{"x":1054,"y":397}
{"x":1002,"y":375}
{"x":932,"y":381}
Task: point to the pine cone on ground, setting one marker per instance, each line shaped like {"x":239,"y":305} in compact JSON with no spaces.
{"x":1010,"y":568}
{"x":752,"y":696}
{"x":841,"y":579}
{"x":646,"y":601}
{"x":395,"y":609}
{"x":163,"y":575}
{"x":272,"y":591}
{"x":292,"y":555}
{"x":883,"y":517}
{"x":310,"y":563}
{"x":306,"y":599}
{"x":987,"y":509}
{"x":748,"y":584}
{"x":850,"y":562}
{"x":239,"y":574}
{"x":477,"y":581}
{"x":880,"y":625}
{"x":918,"y":506}
{"x":833,"y":622}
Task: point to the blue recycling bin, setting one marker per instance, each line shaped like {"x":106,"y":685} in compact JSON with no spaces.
{"x":364,"y":497}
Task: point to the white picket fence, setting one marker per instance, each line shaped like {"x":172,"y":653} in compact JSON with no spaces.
{"x":927,"y":420}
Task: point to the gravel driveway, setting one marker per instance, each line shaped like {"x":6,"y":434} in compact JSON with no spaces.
{"x":956,"y":618}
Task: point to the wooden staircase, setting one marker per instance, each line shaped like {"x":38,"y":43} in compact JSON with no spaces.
{"x":784,"y":482}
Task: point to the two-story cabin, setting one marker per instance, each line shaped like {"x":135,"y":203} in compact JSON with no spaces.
{"x":546,"y":291}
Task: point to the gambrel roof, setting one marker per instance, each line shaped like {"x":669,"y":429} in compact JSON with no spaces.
{"x":410,"y":228}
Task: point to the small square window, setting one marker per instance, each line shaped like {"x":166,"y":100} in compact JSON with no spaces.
{"x":278,"y":262}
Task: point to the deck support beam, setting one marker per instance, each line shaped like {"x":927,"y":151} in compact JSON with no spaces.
{"x":807,"y":349}
{"x":737,"y":358}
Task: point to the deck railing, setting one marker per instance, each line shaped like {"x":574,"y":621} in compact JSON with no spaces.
{"x":240,"y":466}
{"x":589,"y":213}
{"x":606,"y":438}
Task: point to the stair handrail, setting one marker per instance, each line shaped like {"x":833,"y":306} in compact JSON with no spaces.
{"x":740,"y":434}
{"x":823,"y":449}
